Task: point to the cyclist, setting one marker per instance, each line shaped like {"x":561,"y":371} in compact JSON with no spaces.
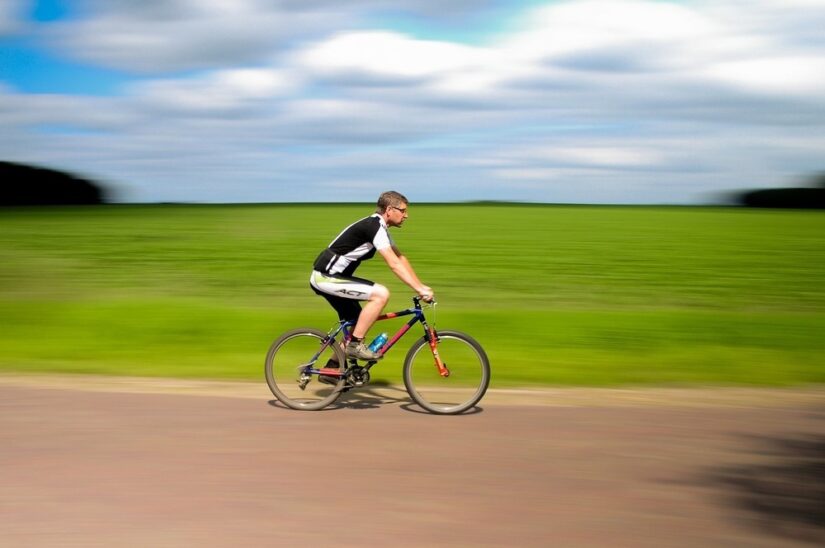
{"x":332,"y":274}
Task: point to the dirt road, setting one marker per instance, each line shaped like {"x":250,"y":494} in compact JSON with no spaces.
{"x":97,"y":464}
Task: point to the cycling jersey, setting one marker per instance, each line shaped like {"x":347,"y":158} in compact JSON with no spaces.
{"x":332,"y":272}
{"x":358,"y":242}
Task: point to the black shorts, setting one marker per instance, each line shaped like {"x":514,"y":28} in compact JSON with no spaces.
{"x":343,"y":293}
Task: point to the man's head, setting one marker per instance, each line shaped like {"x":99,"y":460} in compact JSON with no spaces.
{"x":393,"y":207}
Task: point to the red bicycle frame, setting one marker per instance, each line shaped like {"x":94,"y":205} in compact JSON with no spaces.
{"x":418,"y":316}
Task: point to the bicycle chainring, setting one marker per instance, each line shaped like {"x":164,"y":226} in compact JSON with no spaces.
{"x":357,"y":376}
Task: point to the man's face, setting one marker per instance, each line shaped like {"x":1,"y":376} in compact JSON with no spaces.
{"x":396,"y":214}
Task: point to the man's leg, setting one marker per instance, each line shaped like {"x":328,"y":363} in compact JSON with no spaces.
{"x":348,"y":310}
{"x":375,"y":304}
{"x":345,"y":294}
{"x":371,"y":311}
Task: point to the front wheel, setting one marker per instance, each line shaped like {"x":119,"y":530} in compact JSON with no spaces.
{"x":465,"y":386}
{"x":289,"y":364}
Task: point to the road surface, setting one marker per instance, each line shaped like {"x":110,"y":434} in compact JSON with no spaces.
{"x":114,"y":462}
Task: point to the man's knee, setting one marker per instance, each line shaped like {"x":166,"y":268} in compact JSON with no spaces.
{"x":380,"y":293}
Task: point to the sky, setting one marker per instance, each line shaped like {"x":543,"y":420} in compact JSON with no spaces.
{"x":572,"y":101}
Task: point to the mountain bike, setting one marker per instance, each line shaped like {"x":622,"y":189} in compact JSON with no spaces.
{"x":445,"y":372}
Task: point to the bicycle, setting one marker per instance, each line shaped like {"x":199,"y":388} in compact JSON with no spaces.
{"x":446,"y":386}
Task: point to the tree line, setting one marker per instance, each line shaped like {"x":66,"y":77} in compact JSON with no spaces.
{"x":25,"y":185}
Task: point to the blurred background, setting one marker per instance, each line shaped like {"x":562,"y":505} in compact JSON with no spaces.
{"x":625,"y":101}
{"x":211,"y":140}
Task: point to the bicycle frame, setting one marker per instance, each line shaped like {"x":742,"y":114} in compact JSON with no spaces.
{"x":344,"y":327}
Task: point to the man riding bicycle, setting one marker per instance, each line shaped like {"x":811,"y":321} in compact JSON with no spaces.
{"x":332,"y":274}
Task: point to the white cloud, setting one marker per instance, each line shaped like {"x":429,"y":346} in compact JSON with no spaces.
{"x":625,"y":100}
{"x":11,"y":16}
{"x":612,"y":156}
{"x":388,"y":54}
{"x":156,"y":37}
{"x":582,"y":47}
{"x":216,"y":92}
{"x":19,"y":110}
{"x":794,"y":75}
{"x":171,"y":35}
{"x":568,"y":27}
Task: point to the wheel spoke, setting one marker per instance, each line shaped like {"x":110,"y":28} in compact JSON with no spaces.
{"x":287,"y":362}
{"x":462,"y":389}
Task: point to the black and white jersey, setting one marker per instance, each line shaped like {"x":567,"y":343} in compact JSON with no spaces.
{"x":358,"y":242}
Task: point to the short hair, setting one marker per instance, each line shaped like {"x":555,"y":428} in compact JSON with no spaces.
{"x":390,"y":198}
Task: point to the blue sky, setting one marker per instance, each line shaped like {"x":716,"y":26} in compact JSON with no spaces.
{"x":577,"y":101}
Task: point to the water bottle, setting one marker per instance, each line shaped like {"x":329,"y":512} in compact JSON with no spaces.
{"x":379,"y":341}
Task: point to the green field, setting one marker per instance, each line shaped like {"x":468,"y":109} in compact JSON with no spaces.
{"x":558,"y":295}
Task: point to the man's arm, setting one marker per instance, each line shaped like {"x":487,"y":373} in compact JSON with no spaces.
{"x":402,"y":268}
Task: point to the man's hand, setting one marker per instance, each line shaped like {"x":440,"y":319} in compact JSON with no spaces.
{"x":426,"y":294}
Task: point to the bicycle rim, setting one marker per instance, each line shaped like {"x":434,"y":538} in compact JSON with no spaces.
{"x":462,"y":389}
{"x":286,"y":367}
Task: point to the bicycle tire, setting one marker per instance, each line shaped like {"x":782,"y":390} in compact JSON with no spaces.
{"x":286,"y":358}
{"x":462,"y":389}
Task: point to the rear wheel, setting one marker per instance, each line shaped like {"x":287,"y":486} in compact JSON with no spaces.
{"x":465,"y":386}
{"x":288,"y":364}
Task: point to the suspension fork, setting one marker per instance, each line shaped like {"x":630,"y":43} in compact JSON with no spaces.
{"x":432,"y":338}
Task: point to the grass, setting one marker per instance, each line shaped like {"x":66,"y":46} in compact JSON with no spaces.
{"x":561,"y":295}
